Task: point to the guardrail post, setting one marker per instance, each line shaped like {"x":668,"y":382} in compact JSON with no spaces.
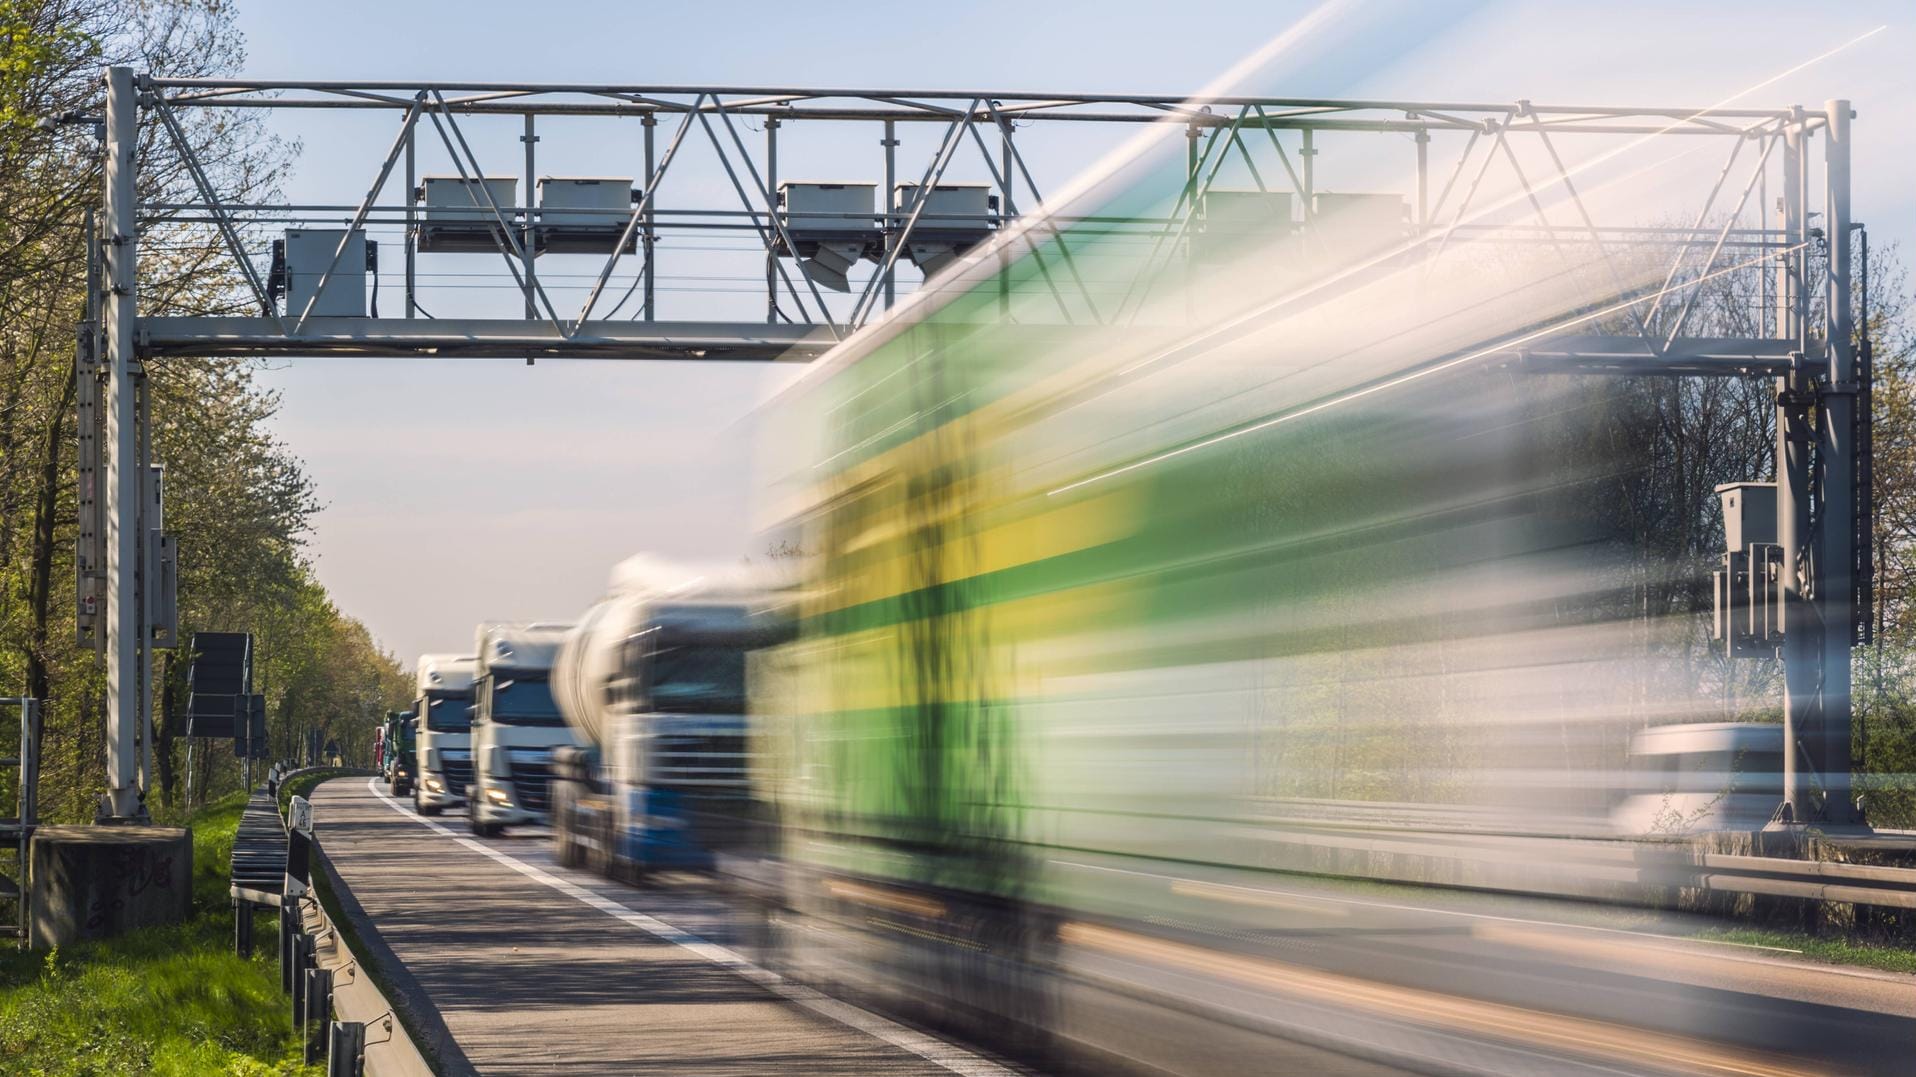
{"x":302,"y":960}
{"x":319,"y":1010}
{"x":346,"y":1049}
{"x":242,"y":927}
{"x":286,"y":932}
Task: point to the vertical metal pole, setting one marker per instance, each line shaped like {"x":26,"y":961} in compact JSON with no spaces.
{"x":1800,"y":652}
{"x":1836,"y":453}
{"x":530,"y":251}
{"x":1192,"y":132}
{"x":890,"y":142}
{"x":412,"y":217}
{"x":123,"y":482}
{"x":1423,"y":181}
{"x":771,"y":253}
{"x":1765,"y":301}
{"x":1309,"y":193}
{"x":651,"y":234}
{"x":1005,"y":156}
{"x":149,"y":492}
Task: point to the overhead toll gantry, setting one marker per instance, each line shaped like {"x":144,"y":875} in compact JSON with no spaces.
{"x":830,"y":253}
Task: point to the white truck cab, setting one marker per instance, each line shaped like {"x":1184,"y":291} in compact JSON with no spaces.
{"x":444,"y":707}
{"x":516,"y":726}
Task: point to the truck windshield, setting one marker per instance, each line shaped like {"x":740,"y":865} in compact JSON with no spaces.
{"x":448,"y":715}
{"x":524,"y":701}
{"x":698,"y":679}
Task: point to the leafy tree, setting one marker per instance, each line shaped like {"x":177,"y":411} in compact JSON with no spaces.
{"x":239,"y":501}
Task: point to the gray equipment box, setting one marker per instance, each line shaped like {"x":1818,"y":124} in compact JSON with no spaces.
{"x":828,"y":210}
{"x":1237,"y":222}
{"x":456,"y":219}
{"x":308,"y":252}
{"x":950,"y":207}
{"x":1350,"y":226}
{"x":584,"y":214}
{"x":1749,"y":514}
{"x":833,"y":225}
{"x":955,"y":218}
{"x":1238,"y":212}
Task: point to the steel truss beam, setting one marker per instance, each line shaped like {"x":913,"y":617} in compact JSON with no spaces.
{"x":930,"y":104}
{"x":469,"y":337}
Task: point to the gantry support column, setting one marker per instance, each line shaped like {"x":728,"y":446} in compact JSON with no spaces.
{"x":123,"y":696}
{"x":1836,"y":453}
{"x":1801,"y":653}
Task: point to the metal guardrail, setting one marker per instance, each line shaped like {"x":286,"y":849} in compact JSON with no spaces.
{"x":313,"y":954}
{"x":259,"y":856}
{"x":1425,"y":848}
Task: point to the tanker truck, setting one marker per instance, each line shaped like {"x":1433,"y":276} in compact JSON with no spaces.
{"x":652,"y":679}
{"x":444,"y":706}
{"x":515,"y":726}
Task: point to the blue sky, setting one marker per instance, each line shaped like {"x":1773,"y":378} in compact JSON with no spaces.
{"x":461,"y":491}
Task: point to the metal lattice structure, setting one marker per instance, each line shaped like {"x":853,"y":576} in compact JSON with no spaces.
{"x":1447,"y":150}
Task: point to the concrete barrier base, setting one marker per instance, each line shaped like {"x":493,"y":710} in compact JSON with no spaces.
{"x":90,"y":882}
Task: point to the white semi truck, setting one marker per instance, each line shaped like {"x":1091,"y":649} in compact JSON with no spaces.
{"x":444,"y":707}
{"x":652,"y":679}
{"x":515,"y":727}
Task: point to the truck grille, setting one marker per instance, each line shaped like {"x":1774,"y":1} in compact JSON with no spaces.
{"x":532,"y":785}
{"x":458,"y":775}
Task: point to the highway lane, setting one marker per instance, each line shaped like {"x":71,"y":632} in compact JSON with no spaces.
{"x":534,"y":969}
{"x":1228,"y":976}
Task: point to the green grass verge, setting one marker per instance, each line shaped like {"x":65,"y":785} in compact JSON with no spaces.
{"x":160,"y":1000}
{"x":1886,"y":956}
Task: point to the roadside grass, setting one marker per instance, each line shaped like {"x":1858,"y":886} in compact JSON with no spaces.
{"x":1834,"y":950}
{"x":161,"y":1000}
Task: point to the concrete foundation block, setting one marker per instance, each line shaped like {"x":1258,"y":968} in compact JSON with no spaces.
{"x":91,"y":882}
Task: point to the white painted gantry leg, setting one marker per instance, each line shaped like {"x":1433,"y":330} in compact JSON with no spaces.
{"x":123,"y":697}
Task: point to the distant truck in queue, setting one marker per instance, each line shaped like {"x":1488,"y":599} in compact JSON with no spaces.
{"x":515,"y":726}
{"x":444,"y":707}
{"x":652,"y":681}
{"x":400,"y":764}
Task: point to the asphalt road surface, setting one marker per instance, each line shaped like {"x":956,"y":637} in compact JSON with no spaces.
{"x":520,"y":966}
{"x":530,"y":968}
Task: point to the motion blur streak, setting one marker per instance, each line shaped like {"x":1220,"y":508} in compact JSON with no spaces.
{"x":1498,"y":348}
{"x":1152,"y":615}
{"x":1609,"y":1042}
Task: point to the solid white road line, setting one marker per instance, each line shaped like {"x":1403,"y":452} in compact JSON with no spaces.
{"x":932,"y":1050}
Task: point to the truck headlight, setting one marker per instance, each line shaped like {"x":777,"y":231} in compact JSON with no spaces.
{"x":435,"y":785}
{"x":498,"y":796}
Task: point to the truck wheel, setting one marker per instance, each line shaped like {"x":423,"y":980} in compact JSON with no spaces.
{"x":428,"y":809}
